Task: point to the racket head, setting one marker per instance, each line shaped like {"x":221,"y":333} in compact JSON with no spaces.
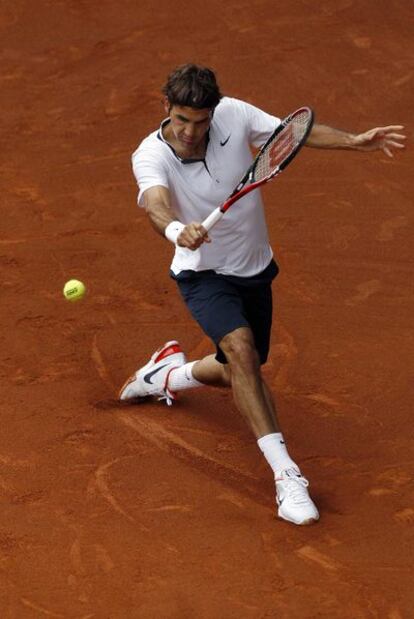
{"x":283,"y":145}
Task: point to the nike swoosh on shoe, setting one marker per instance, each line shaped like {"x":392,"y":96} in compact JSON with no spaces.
{"x":147,"y":377}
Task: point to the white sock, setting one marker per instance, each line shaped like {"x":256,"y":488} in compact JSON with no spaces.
{"x":182,"y":378}
{"x":274,"y":450}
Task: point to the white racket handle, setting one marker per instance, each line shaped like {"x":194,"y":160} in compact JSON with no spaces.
{"x":212,"y":219}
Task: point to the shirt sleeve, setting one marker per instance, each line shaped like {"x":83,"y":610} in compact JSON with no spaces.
{"x":149,"y":171}
{"x":260,"y":124}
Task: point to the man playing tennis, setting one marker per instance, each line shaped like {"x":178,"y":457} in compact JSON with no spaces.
{"x":184,"y":171}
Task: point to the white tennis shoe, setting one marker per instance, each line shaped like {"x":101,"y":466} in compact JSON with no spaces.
{"x":292,"y":497}
{"x":152,"y":379}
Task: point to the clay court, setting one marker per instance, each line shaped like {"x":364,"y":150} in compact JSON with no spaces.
{"x":150,"y":512}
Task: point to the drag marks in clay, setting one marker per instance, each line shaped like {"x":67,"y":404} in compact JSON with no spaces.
{"x":241,"y":482}
{"x":364,"y":291}
{"x":396,"y":482}
{"x":43,"y":612}
{"x":310,"y":553}
{"x":405,"y":516}
{"x":100,"y":365}
{"x":99,"y":483}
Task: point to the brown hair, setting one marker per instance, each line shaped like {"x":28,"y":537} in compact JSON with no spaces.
{"x":193,"y":86}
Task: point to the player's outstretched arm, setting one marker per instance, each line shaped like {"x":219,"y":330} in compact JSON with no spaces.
{"x":386,"y":139}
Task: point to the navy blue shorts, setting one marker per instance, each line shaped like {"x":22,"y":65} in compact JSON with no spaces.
{"x":222,"y":303}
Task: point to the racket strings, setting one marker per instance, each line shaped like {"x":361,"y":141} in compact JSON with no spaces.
{"x":282,"y":146}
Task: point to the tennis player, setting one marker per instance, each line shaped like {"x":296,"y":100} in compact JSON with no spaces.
{"x":185,"y":170}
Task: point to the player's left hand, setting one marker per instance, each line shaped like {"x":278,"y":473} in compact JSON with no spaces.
{"x":381,"y":138}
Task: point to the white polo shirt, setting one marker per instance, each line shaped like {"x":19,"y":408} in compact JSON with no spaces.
{"x":239,"y":241}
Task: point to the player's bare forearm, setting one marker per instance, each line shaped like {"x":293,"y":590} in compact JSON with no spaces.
{"x":387,"y":139}
{"x":158,"y":207}
{"x":323,"y":136}
{"x":160,"y":216}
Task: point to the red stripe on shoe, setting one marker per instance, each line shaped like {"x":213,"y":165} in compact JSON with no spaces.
{"x":166,"y":352}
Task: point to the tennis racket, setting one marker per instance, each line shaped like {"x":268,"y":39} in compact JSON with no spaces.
{"x":279,"y":150}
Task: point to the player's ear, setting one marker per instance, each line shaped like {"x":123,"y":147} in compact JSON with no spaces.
{"x":167,"y":105}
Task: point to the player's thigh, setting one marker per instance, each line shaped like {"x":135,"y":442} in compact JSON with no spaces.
{"x":216,"y":305}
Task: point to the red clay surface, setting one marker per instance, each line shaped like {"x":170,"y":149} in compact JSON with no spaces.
{"x":112,"y":512}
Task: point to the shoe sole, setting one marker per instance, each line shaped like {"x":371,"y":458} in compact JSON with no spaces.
{"x":306,"y":522}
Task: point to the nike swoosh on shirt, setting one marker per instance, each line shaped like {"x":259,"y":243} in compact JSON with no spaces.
{"x":225,"y":141}
{"x":147,"y":377}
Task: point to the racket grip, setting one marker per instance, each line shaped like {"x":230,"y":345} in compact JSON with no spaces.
{"x":212,"y":219}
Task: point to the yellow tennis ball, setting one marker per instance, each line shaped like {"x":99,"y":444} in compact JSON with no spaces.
{"x":74,"y":290}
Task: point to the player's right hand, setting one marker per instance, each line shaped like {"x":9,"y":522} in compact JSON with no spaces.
{"x":192,"y":236}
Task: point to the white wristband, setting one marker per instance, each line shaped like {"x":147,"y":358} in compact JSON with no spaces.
{"x":173,"y":231}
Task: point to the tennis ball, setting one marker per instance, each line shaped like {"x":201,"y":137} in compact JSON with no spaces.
{"x":74,"y":290}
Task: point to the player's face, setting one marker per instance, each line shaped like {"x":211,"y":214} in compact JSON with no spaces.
{"x":189,"y":127}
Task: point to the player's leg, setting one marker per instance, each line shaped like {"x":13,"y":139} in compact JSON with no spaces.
{"x":254,"y":401}
{"x":246,"y":381}
{"x":208,"y":371}
{"x":294,"y":502}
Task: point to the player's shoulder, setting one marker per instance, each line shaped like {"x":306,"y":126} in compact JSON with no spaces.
{"x":229,"y":115}
{"x":228,"y":105}
{"x":150,"y":146}
{"x":232,"y":111}
{"x":149,"y":142}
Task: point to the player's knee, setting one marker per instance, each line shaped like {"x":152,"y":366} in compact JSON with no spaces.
{"x":240,"y":350}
